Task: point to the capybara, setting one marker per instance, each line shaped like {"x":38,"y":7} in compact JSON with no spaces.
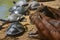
{"x":47,"y":23}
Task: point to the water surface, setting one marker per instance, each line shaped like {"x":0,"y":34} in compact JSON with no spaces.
{"x":4,"y":7}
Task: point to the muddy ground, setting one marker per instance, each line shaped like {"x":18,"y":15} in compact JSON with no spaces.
{"x":54,"y":4}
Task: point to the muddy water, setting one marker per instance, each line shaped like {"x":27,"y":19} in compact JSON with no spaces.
{"x":4,"y":7}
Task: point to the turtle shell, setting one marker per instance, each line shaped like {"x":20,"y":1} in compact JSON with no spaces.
{"x":21,"y":3}
{"x":14,"y":17}
{"x":12,"y":8}
{"x":19,"y":10}
{"x":34,"y":5}
{"x":15,"y":29}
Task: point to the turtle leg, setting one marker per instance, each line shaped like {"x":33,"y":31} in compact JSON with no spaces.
{"x":33,"y":35}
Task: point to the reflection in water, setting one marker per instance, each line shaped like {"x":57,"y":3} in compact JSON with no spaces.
{"x":4,"y":7}
{"x":3,"y":11}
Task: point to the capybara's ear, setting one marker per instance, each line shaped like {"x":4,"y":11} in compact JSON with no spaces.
{"x":14,"y":2}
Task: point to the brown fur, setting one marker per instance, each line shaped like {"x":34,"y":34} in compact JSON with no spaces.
{"x":48,"y":28}
{"x":50,"y":12}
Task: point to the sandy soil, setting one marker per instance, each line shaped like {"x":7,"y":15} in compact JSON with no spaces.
{"x":54,"y":4}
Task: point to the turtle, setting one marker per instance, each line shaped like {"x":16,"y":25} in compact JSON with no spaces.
{"x":34,"y":5}
{"x":14,"y":17}
{"x":19,"y":6}
{"x":15,"y":28}
{"x":21,"y":3}
{"x":12,"y":9}
{"x":18,"y":10}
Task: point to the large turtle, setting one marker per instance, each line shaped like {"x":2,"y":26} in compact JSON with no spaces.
{"x":15,"y":29}
{"x":19,"y":6}
{"x":19,"y":10}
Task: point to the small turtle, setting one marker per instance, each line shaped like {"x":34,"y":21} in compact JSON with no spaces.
{"x":12,"y":9}
{"x":34,"y":5}
{"x":18,"y":7}
{"x":15,"y":28}
{"x":21,"y":3}
{"x":14,"y":17}
{"x":19,"y":10}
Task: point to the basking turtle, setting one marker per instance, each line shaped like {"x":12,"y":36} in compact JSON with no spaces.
{"x":21,"y":3}
{"x":14,"y":17}
{"x":12,"y":9}
{"x":34,"y":5}
{"x":19,"y":6}
{"x":19,"y":10}
{"x":11,"y":19}
{"x":15,"y":29}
